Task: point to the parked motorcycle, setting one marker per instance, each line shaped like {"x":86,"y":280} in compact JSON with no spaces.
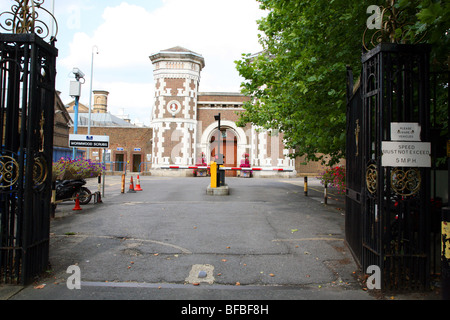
{"x":67,"y":190}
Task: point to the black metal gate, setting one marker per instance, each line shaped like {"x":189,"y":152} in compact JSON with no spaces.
{"x":355,"y":168}
{"x":27,"y":82}
{"x":388,"y":206}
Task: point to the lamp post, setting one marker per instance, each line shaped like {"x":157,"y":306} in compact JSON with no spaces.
{"x":52,"y":10}
{"x":220,"y":162}
{"x":218,"y":118}
{"x":90,"y":91}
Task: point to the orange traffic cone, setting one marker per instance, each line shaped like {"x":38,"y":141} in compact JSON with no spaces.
{"x":77,"y":204}
{"x":138,"y":185}
{"x":131,"y":189}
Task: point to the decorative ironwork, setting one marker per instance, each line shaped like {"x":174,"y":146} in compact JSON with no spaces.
{"x":41,"y":133}
{"x":40,"y":171}
{"x":24,"y":17}
{"x":372,"y":178}
{"x":388,"y":217}
{"x":9,"y":172}
{"x":357,"y":132}
{"x":394,"y":27}
{"x":27,"y":99}
{"x":406,"y":182}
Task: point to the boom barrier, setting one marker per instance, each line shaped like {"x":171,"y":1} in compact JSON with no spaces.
{"x":228,"y":168}
{"x":218,"y":174}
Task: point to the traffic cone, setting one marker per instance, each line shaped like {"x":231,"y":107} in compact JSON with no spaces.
{"x":131,"y":189}
{"x":77,"y":204}
{"x":138,"y":185}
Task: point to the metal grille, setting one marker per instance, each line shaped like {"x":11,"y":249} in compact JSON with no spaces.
{"x":388,"y":220}
{"x":27,"y":82}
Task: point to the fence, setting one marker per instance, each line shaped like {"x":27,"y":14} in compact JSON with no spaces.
{"x":389,"y":220}
{"x":27,"y":98}
{"x":123,"y":166}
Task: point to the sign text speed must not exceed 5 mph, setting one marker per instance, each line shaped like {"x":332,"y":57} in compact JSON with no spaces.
{"x":406,"y":154}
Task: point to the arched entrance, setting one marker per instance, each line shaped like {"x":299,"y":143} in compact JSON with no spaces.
{"x":234,"y":143}
{"x":228,"y":147}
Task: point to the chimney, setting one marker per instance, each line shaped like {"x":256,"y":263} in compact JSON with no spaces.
{"x":100,"y":101}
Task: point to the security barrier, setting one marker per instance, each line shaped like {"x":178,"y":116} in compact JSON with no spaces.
{"x":229,"y":168}
{"x":216,"y":178}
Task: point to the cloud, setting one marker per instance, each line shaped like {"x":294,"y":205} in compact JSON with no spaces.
{"x":128,"y":34}
{"x":134,"y":99}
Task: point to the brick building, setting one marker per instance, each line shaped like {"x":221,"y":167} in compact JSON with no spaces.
{"x":130,"y":145}
{"x":184,"y":129}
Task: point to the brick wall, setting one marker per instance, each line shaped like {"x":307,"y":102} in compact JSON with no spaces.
{"x":127,"y":138}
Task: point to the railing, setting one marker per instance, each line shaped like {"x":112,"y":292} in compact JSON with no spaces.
{"x":145,"y":166}
{"x":122,"y":166}
{"x":116,"y":166}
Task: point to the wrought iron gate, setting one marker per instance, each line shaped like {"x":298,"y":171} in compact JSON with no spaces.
{"x":355,"y":168}
{"x":388,"y":207}
{"x":27,"y":82}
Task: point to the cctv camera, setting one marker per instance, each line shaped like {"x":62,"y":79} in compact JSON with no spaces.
{"x":78,"y":73}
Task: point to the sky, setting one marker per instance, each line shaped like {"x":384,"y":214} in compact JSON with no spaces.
{"x":127,"y":32}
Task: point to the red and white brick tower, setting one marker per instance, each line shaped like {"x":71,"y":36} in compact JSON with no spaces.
{"x":177,"y":77}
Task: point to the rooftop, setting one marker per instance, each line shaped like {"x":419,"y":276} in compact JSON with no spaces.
{"x":178,"y":53}
{"x":101,"y":120}
{"x":179,"y":50}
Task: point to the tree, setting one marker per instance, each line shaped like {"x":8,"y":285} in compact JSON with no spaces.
{"x":298,"y":81}
{"x":430,"y":18}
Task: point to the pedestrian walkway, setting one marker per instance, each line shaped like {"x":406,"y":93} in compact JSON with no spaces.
{"x":265,"y":241}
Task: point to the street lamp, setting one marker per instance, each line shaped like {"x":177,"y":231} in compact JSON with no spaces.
{"x":220,"y":162}
{"x":90,"y":92}
{"x":219,"y":155}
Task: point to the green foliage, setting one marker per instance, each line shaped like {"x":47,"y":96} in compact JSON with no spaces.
{"x":430,"y":20}
{"x":298,"y":82}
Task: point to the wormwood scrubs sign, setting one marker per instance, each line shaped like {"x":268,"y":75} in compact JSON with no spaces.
{"x":82,"y":141}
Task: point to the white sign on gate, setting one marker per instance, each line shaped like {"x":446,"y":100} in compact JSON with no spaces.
{"x":405,"y":131}
{"x":406,"y":154}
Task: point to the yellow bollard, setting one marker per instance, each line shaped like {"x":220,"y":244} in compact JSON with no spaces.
{"x":306,"y":186}
{"x":213,"y":175}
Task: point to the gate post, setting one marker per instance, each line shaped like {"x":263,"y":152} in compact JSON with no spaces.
{"x":396,"y":199}
{"x":27,"y":101}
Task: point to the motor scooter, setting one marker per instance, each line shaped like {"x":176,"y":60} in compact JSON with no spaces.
{"x":68,"y":190}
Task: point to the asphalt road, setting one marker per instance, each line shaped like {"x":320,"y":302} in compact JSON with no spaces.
{"x":266,"y":241}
